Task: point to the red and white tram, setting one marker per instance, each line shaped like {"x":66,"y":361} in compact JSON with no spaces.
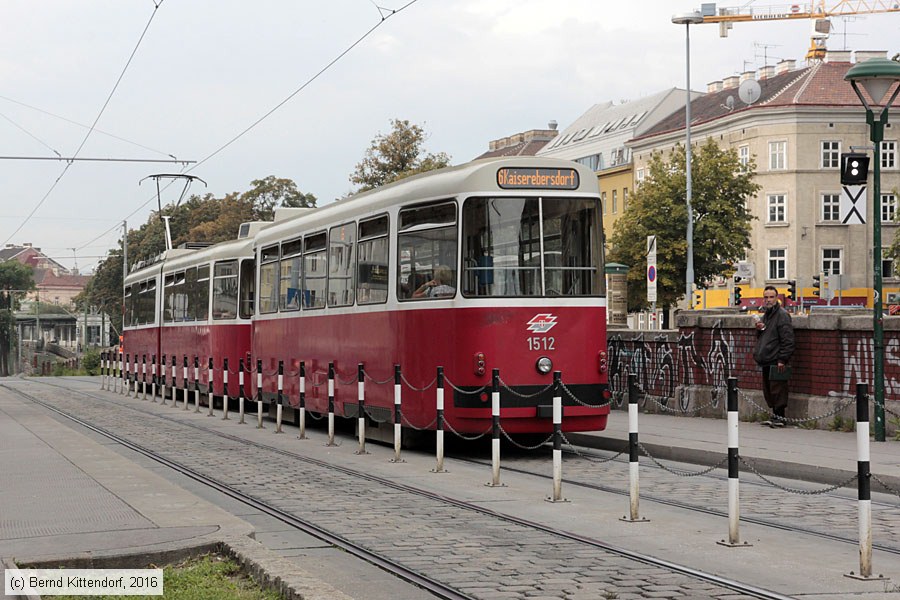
{"x":494,"y":264}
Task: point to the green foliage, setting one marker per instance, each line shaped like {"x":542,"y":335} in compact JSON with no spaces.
{"x":90,"y":361}
{"x":839,"y":423}
{"x":204,"y":578}
{"x":197,"y":219}
{"x":396,"y":155}
{"x":895,"y":421}
{"x":720,"y":197}
{"x":15,"y":280}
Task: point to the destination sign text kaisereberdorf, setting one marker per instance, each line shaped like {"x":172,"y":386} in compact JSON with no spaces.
{"x":536,"y":178}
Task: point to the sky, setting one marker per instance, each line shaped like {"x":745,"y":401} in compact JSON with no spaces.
{"x":154,"y":79}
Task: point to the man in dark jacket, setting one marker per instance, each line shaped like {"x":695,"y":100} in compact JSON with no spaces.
{"x":774,"y":347}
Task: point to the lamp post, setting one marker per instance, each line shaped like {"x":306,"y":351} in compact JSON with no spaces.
{"x":876,"y":76}
{"x":688,"y":19}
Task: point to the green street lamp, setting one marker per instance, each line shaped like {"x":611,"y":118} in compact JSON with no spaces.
{"x":876,"y":76}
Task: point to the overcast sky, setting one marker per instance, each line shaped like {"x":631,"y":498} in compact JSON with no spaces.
{"x":468,"y":71}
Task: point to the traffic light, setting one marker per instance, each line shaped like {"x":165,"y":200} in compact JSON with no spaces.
{"x":792,"y":290}
{"x":817,"y":285}
{"x":737,"y":295}
{"x":854,"y":168}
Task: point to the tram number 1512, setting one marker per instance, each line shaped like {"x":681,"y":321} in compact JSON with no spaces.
{"x":541,"y":343}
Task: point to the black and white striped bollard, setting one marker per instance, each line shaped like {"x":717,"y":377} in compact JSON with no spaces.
{"x":734,"y":481}
{"x":103,"y":370}
{"x":557,"y":438}
{"x":330,"y":404}
{"x":209,"y":387}
{"x":143,"y":376}
{"x":439,"y":422}
{"x":128,"y":374}
{"x":162,"y":379}
{"x":174,"y":385}
{"x":153,"y":378}
{"x":121,"y":374}
{"x":259,"y":394}
{"x":864,"y":483}
{"x":241,"y":394}
{"x":196,"y":384}
{"x":184,"y":382}
{"x":398,"y":415}
{"x":302,"y":407}
{"x":495,"y":429}
{"x":633,"y":446}
{"x":225,"y":389}
{"x":278,"y":407}
{"x":361,"y":408}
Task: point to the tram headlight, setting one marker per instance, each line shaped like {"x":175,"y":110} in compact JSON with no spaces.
{"x":543,"y":365}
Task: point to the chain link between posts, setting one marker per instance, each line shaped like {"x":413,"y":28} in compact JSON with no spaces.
{"x":765,"y":409}
{"x":790,"y":490}
{"x":466,"y":437}
{"x":522,"y":446}
{"x":678,"y":472}
{"x":885,"y":485}
{"x":572,"y":448}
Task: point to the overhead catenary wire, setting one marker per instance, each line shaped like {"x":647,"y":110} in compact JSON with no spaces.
{"x":385,"y":14}
{"x":109,"y":97}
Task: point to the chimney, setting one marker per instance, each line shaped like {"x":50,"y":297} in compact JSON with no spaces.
{"x":747,"y":75}
{"x":766,"y":72}
{"x":552,"y":125}
{"x":713,"y":86}
{"x":833,"y":56}
{"x":862,"y":55}
{"x":785,"y":66}
{"x":26,"y":245}
{"x":730,"y":82}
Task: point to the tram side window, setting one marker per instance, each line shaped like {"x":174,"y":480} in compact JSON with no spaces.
{"x":502,"y":254}
{"x":150,"y":314}
{"x":201,"y":294}
{"x":128,"y":302}
{"x":179,"y":298}
{"x":315,"y":271}
{"x":372,"y":268}
{"x":268,"y":280}
{"x":427,"y":251}
{"x":341,"y":262}
{"x":247,"y":283}
{"x":290,"y":275}
{"x":168,"y":298}
{"x":572,"y":261}
{"x":225,"y":290}
{"x":190,"y":294}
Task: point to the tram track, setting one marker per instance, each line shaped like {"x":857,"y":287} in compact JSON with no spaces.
{"x":436,"y":587}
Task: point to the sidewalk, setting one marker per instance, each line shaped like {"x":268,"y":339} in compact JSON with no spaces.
{"x":820,"y":456}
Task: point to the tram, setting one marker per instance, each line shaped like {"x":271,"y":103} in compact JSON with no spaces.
{"x":492,"y":265}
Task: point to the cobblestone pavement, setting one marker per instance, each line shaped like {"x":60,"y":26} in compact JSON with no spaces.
{"x":481,"y":555}
{"x":813,"y":507}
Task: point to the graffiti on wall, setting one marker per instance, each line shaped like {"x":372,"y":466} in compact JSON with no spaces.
{"x":859,"y":363}
{"x":662,"y":365}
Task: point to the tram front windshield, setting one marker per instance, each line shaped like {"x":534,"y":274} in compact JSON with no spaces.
{"x":532,"y":247}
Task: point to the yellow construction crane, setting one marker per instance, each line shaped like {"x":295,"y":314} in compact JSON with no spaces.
{"x":818,"y":11}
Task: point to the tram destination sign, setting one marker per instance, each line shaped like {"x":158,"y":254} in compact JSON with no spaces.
{"x":519,"y":178}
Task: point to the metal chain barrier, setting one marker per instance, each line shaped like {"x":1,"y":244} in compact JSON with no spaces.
{"x":368,"y":412}
{"x":794,"y":490}
{"x":582,"y":403}
{"x":676,"y":471}
{"x":525,"y":396}
{"x":462,"y":391}
{"x":414,"y":388}
{"x":403,"y":419}
{"x":521,"y":446}
{"x":593,"y":459}
{"x":665,"y":408}
{"x":886,"y":486}
{"x":841,"y":406}
{"x":465,"y":437}
{"x":377,"y":382}
{"x":353,"y":380}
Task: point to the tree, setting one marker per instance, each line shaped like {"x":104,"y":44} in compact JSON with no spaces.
{"x":15,"y":280}
{"x":721,"y":194}
{"x":271,"y":192}
{"x":396,"y":155}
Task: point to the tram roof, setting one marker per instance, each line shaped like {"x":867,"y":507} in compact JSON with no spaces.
{"x":180,"y":258}
{"x":475,"y":176}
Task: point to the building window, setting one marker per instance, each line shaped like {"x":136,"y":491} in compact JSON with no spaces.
{"x":777,"y":208}
{"x":615,"y":201}
{"x":777,"y":156}
{"x":640,"y":176}
{"x":831,"y":208}
{"x":744,"y":157}
{"x":887,"y":266}
{"x":603,"y":202}
{"x":777,"y":263}
{"x":889,"y":155}
{"x":831,"y":261}
{"x":888,"y":208}
{"x":831,"y":155}
{"x":624,"y":199}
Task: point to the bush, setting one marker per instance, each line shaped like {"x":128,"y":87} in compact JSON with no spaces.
{"x":90,"y":361}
